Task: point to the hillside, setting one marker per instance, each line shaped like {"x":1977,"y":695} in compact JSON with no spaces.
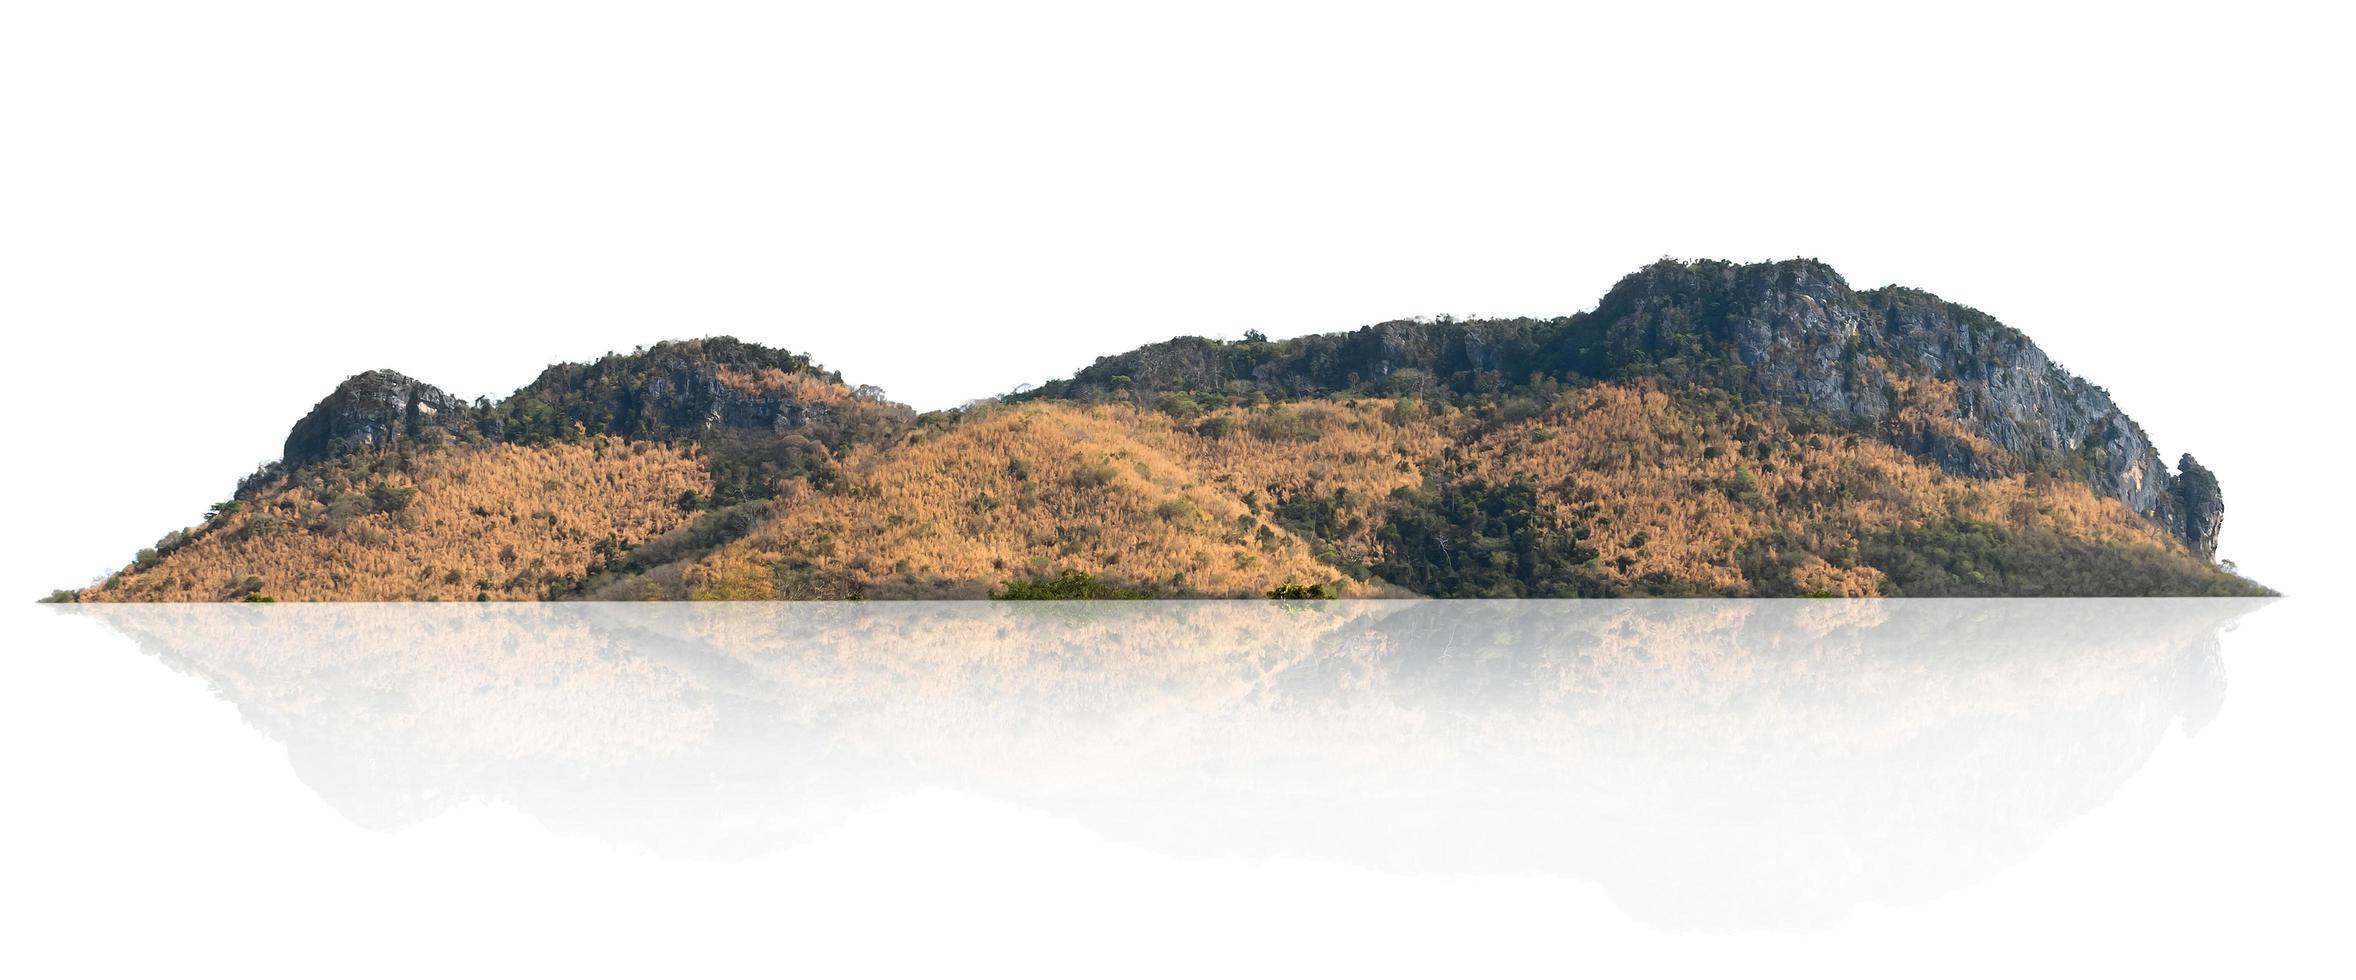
{"x":1708,"y":429}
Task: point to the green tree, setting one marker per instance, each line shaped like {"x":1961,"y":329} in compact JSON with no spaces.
{"x":1072,"y":584}
{"x":385,"y":498}
{"x":1295,"y":590}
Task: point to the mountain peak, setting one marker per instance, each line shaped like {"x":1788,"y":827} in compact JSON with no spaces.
{"x":374,"y":408}
{"x":1938,"y":379}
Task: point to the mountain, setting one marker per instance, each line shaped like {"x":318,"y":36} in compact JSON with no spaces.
{"x":1708,"y":429}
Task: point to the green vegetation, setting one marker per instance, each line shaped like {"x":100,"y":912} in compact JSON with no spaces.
{"x":1295,"y":590}
{"x":639,"y":394}
{"x":385,"y":498}
{"x":1094,"y":476}
{"x":1968,"y":558}
{"x":750,"y":465}
{"x":1471,"y":539}
{"x":779,"y":416}
{"x":710,"y":530}
{"x":1072,"y":584}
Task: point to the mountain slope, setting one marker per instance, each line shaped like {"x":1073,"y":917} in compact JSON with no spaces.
{"x":1940,"y":379}
{"x":1709,"y":429}
{"x":464,"y":522}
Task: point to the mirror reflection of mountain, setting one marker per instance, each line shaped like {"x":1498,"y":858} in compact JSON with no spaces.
{"x":1712,"y":764}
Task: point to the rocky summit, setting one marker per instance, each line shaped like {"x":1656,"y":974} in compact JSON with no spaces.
{"x":1709,"y":428}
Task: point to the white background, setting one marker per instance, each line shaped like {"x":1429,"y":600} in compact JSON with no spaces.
{"x":151,"y":830}
{"x":211,"y":213}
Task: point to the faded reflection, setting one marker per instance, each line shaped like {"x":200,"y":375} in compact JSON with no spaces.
{"x":1712,"y":764}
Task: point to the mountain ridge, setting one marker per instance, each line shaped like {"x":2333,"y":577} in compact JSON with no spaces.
{"x":1797,"y":341}
{"x":1328,"y":456}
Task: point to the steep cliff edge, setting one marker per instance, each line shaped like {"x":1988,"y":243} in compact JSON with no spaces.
{"x":1795,"y":333}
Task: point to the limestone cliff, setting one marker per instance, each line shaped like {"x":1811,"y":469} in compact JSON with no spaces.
{"x":1941,"y":380}
{"x":1797,"y":334}
{"x":372,"y":409}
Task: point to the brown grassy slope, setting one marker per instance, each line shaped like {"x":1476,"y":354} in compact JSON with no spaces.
{"x":500,"y":520}
{"x":1677,"y":490}
{"x":1025,"y":492}
{"x":1694,"y":492}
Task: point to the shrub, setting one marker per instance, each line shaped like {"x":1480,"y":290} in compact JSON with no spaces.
{"x":220,"y":513}
{"x":1959,"y":557}
{"x":1091,"y":477}
{"x":1072,"y":584}
{"x":1178,"y":404}
{"x":1295,"y":590}
{"x":1283,"y":424}
{"x":1471,"y":539}
{"x":263,"y":526}
{"x":385,"y":498}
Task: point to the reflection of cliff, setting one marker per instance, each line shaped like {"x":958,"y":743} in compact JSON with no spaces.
{"x":1713,"y":764}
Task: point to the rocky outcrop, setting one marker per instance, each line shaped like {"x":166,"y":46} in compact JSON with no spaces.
{"x":2199,"y":505}
{"x":759,"y":415}
{"x":373,"y":409}
{"x":687,"y":389}
{"x":1398,"y":356}
{"x":1941,"y":380}
{"x":1795,"y":333}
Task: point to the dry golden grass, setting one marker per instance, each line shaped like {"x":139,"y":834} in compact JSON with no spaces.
{"x":802,"y":388}
{"x":1674,"y":487}
{"x":1018,"y":493}
{"x":1138,"y":497}
{"x":495,"y":519}
{"x":1667,"y":486}
{"x":1363,"y":450}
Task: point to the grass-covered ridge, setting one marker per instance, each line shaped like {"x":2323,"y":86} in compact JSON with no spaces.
{"x":1709,"y":429}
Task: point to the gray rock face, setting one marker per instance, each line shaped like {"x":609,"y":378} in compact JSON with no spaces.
{"x":372,"y":409}
{"x":2200,"y":505}
{"x":1798,"y":335}
{"x":693,"y":389}
{"x":1787,"y":332}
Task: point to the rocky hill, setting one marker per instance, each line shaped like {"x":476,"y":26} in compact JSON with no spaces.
{"x":1942,"y":380}
{"x":1708,"y":429}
